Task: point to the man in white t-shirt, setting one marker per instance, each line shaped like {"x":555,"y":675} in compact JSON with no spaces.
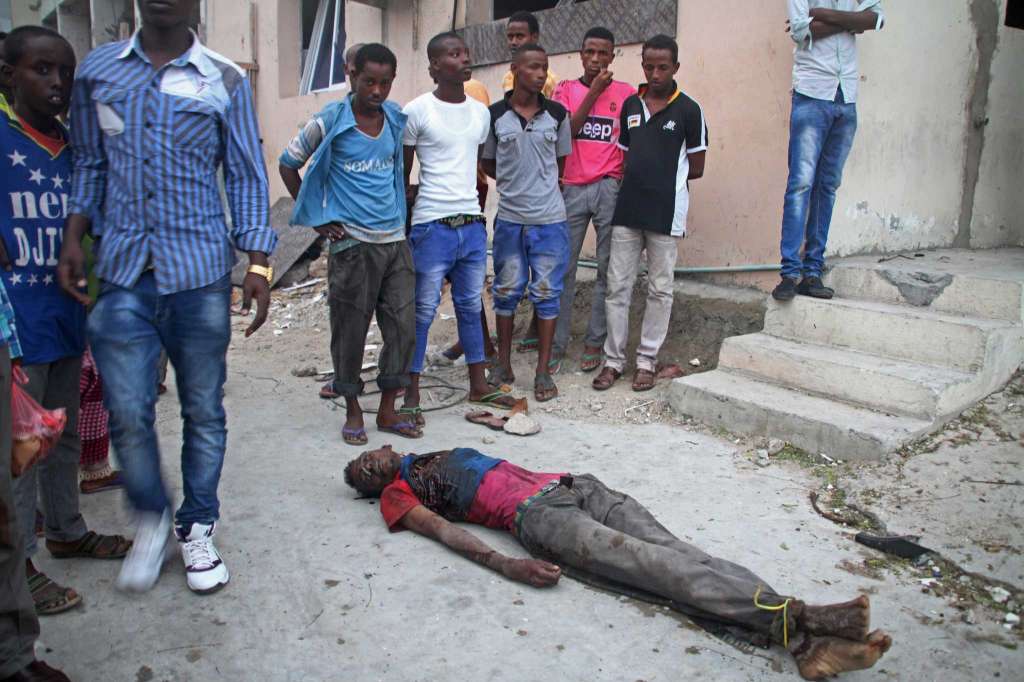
{"x":445,"y":130}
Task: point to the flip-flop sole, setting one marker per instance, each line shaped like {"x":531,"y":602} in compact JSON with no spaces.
{"x":396,"y":430}
{"x":491,"y":421}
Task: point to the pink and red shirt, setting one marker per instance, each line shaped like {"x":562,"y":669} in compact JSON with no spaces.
{"x":494,"y":506}
{"x":595,"y":151}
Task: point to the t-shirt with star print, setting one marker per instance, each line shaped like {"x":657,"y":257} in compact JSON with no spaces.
{"x":34,"y":188}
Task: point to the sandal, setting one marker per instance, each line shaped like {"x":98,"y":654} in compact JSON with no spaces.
{"x":327,"y":391}
{"x":643,"y":380}
{"x":497,"y":398}
{"x":527,"y":345}
{"x":591,"y":361}
{"x":606,"y":379}
{"x":49,"y":597}
{"x":555,"y":365}
{"x":416,"y":412}
{"x":544,"y":388}
{"x":110,"y":480}
{"x":356,"y":436}
{"x":403,"y":429}
{"x":92,"y":545}
{"x":488,"y":419}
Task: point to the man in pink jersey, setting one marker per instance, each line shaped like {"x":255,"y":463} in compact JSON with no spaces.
{"x":590,"y":183}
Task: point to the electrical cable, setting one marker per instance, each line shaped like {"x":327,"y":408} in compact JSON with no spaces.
{"x":459,"y":391}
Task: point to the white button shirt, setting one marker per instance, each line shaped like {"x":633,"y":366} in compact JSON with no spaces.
{"x":822,"y":66}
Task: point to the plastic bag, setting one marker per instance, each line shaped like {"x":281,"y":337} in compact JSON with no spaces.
{"x":35,"y":430}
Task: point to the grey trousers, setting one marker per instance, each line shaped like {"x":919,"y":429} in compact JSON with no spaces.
{"x":362,"y":280}
{"x":584,"y":203}
{"x":55,"y":479}
{"x":610,"y":535}
{"x":623,"y":267}
{"x":19,"y":626}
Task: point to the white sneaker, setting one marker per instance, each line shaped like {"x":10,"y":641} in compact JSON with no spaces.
{"x":141,"y":568}
{"x":206,"y":571}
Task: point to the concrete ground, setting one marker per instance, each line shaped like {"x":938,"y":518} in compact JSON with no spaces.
{"x":321,"y":591}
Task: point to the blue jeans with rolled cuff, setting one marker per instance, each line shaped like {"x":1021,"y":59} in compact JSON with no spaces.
{"x":533,"y":257}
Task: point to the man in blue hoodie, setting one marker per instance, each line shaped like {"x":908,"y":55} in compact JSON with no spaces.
{"x":354,"y":194}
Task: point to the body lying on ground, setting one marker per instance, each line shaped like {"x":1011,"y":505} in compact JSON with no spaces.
{"x":578,"y":522}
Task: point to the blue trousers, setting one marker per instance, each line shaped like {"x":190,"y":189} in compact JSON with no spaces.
{"x":534,"y":255}
{"x":820,"y":137}
{"x":127,"y":329}
{"x":459,"y":253}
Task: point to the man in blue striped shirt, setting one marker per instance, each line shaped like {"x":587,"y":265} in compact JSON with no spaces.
{"x":153,"y":120}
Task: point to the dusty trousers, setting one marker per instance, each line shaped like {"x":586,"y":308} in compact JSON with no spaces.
{"x":364,"y":280}
{"x":610,"y":535}
{"x":19,"y":626}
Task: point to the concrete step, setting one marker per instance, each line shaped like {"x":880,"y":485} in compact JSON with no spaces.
{"x":897,"y":386}
{"x":745,"y":405}
{"x":972,"y":283}
{"x":895,"y":331}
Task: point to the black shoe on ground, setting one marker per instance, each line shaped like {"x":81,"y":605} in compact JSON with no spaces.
{"x":786,"y":290}
{"x":812,"y":286}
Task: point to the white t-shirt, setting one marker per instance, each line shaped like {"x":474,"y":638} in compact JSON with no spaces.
{"x":447,"y":138}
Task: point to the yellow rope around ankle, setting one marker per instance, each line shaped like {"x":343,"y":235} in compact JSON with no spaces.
{"x":784,"y":607}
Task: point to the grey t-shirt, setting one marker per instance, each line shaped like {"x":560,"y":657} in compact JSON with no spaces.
{"x":526,"y":154}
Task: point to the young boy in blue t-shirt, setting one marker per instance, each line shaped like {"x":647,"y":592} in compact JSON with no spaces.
{"x":34,"y":190}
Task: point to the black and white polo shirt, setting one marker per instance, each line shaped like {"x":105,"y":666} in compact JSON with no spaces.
{"x":654,"y":195}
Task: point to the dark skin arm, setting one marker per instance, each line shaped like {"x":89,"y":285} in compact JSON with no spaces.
{"x":696,"y":165}
{"x":490,"y":167}
{"x":854,"y":22}
{"x":293,"y":183}
{"x":408,"y":154}
{"x":530,"y":571}
{"x":579,"y":117}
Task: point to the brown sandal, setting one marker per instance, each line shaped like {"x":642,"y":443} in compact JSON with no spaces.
{"x":488,"y":419}
{"x":605,"y":380}
{"x":644,"y":380}
{"x":49,"y":597}
{"x":93,"y":546}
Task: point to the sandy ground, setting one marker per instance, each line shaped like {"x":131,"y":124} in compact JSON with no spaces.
{"x":321,"y":591}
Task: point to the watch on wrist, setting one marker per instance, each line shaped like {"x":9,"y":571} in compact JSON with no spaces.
{"x":262,"y":271}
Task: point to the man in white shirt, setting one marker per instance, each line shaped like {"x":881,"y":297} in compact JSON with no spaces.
{"x":445,"y":130}
{"x":821,"y":131}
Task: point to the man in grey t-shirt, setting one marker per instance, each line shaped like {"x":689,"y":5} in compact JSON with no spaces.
{"x":530,"y":137}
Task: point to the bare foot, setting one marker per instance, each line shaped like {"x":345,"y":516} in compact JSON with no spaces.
{"x":826,"y":656}
{"x":849,"y":620}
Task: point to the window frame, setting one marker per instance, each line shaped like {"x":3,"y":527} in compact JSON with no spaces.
{"x":316,"y":46}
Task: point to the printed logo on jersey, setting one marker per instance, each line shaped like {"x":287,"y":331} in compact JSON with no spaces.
{"x":633,"y":121}
{"x":670,"y":126}
{"x":597,"y":129}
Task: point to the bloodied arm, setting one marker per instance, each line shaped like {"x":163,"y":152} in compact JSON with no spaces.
{"x":530,"y":571}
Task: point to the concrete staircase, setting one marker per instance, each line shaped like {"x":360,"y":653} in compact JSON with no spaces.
{"x":906,"y":345}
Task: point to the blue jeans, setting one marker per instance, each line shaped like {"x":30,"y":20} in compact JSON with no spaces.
{"x":127,"y":329}
{"x":537,"y":255}
{"x":820,"y":137}
{"x":459,"y":253}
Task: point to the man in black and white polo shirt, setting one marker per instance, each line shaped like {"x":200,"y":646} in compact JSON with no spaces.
{"x":665,"y":139}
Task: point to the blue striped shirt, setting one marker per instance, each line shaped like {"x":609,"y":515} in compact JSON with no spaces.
{"x":147,"y":147}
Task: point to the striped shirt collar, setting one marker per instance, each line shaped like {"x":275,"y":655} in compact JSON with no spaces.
{"x":195,"y":54}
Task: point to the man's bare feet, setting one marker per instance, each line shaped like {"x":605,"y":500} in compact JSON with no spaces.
{"x":826,"y":656}
{"x":849,"y":620}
